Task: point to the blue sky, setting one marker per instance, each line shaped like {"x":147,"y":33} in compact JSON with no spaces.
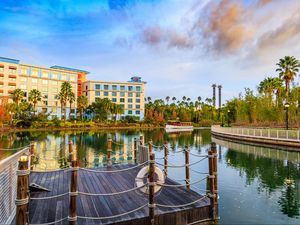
{"x":180,"y":47}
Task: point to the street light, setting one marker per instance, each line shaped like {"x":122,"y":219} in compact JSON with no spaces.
{"x":286,"y":106}
{"x":228,"y":111}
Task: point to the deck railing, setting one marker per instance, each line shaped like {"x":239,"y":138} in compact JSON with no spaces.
{"x":8,"y":185}
{"x":272,"y":134}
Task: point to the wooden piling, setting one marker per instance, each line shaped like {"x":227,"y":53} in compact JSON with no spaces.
{"x":109,"y":149}
{"x":142,"y":140}
{"x":73,"y":193}
{"x":134,"y":150}
{"x":187,"y":166}
{"x":211,"y":184}
{"x":71,"y":154}
{"x":32,"y":155}
{"x":151,"y":188}
{"x":22,"y":191}
{"x":150,"y":147}
{"x":166,"y":159}
{"x":215,"y":169}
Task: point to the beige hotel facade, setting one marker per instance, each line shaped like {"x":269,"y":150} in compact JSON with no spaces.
{"x":13,"y":74}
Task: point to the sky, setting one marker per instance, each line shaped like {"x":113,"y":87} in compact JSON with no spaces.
{"x":179,"y":47}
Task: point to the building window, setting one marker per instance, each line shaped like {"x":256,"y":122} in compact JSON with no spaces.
{"x":54,"y":83}
{"x":130,"y":88}
{"x":45,"y":74}
{"x":23,"y":71}
{"x":137,"y":94}
{"x":130,"y":100}
{"x":114,"y":93}
{"x":34,"y":72}
{"x":129,"y":112}
{"x":122,"y":88}
{"x":97,"y":93}
{"x":72,"y":78}
{"x":13,"y":71}
{"x":122,"y":94}
{"x":105,"y":87}
{"x":23,"y":86}
{"x":114,"y":87}
{"x":54,"y":76}
{"x":23,"y":79}
{"x":114,"y":100}
{"x":122,"y":99}
{"x":63,"y":77}
{"x":54,"y":90}
{"x":138,"y":100}
{"x":106,"y":93}
{"x":130,"y":106}
{"x":138,"y":88}
{"x":44,"y":89}
{"x":97,"y":86}
{"x":1,"y":68}
{"x":12,"y":79}
{"x":137,"y":106}
{"x":130,"y":94}
{"x":137,"y":112}
{"x":44,"y":81}
{"x":34,"y":81}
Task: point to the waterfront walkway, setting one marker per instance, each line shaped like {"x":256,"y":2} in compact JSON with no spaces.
{"x":271,"y":136}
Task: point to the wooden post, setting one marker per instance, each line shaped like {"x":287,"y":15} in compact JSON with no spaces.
{"x":109,"y":149}
{"x":73,"y":193}
{"x":134,"y":150}
{"x":211,"y":184}
{"x":166,"y":159}
{"x":71,"y":156}
{"x":151,"y":188}
{"x":187,"y":166}
{"x":32,"y":156}
{"x":215,"y":168}
{"x":150,"y":148}
{"x":142,"y":140}
{"x":22,"y":191}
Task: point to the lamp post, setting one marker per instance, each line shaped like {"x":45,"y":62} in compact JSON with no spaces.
{"x":286,"y":106}
{"x":228,"y":111}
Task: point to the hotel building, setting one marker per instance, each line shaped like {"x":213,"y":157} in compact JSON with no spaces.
{"x":48,"y":81}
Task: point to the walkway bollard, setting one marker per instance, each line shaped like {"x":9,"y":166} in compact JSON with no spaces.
{"x":134,"y":150}
{"x":187,"y":167}
{"x":166,"y":159}
{"x":73,"y":193}
{"x":211,"y":184}
{"x":71,"y":156}
{"x":151,"y":188}
{"x":142,"y":140}
{"x":32,"y":155}
{"x":22,"y":191}
{"x":109,"y":149}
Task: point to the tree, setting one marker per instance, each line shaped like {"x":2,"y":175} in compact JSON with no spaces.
{"x":71,"y":99}
{"x":168,"y":99}
{"x":17,"y":95}
{"x":288,"y":67}
{"x":35,"y":96}
{"x":174,"y":99}
{"x":82,"y":104}
{"x":64,"y":96}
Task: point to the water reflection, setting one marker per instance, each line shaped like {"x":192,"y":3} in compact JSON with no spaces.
{"x":272,"y":168}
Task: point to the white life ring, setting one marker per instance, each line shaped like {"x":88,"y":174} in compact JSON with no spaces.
{"x":139,"y":180}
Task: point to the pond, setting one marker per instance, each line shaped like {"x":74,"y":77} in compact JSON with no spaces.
{"x":252,"y":179}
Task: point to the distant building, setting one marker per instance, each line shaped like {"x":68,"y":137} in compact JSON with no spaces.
{"x":48,"y":81}
{"x":130,"y":95}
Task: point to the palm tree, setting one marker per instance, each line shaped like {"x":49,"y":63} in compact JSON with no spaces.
{"x":199,"y":99}
{"x":149,"y":99}
{"x":168,"y":99}
{"x":64,"y":95}
{"x":82,"y":104}
{"x":183,"y":98}
{"x":71,"y":99}
{"x":35,"y":96}
{"x":173,"y":99}
{"x":288,"y":67}
{"x":17,"y":95}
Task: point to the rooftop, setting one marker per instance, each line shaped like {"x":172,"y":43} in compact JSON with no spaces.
{"x":67,"y":68}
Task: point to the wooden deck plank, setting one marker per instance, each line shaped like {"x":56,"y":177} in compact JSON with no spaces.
{"x":42,"y":211}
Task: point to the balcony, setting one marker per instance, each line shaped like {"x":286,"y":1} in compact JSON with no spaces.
{"x":12,"y":84}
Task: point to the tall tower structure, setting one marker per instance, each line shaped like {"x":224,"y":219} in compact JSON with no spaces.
{"x":220,"y":96}
{"x":214,"y":94}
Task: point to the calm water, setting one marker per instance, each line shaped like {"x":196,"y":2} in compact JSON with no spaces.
{"x":251,"y":179}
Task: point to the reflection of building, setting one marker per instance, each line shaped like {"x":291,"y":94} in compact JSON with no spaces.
{"x":129,"y":95}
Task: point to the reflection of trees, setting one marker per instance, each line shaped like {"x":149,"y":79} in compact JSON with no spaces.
{"x":271,"y":175}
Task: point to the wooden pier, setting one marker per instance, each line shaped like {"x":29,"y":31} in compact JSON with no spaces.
{"x":110,"y":195}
